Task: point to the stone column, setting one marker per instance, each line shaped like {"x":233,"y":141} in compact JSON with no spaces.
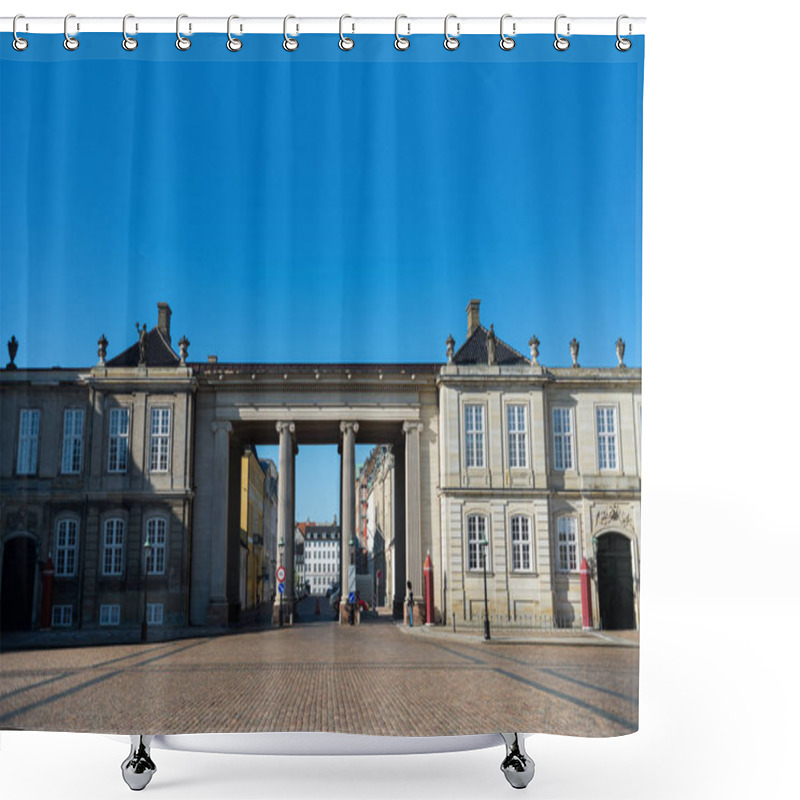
{"x":413,"y":487}
{"x":348,"y":431}
{"x":218,"y":565}
{"x":285,"y":507}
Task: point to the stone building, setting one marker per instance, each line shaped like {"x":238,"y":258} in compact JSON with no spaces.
{"x":322,"y":555}
{"x":490,"y":458}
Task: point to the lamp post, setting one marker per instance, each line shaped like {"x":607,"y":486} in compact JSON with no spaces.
{"x":146,"y":549}
{"x":484,"y":543}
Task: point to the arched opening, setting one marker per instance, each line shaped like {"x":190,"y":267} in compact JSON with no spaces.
{"x":615,"y":582}
{"x":19,"y":579}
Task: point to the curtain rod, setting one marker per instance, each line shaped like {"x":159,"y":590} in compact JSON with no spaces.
{"x":513,"y":26}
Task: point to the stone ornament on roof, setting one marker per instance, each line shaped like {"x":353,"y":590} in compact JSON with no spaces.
{"x":13,"y":346}
{"x":491,"y":347}
{"x":142,"y":343}
{"x":533,"y":343}
{"x":574,"y":347}
{"x":102,"y":349}
{"x":183,"y":346}
{"x":451,"y":348}
{"x":620,"y":352}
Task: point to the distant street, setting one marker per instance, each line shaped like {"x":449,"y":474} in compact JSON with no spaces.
{"x":319,"y":676}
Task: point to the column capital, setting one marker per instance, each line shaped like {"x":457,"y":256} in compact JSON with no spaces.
{"x":284,"y":426}
{"x":221,"y":425}
{"x":409,"y":427}
{"x":344,"y":427}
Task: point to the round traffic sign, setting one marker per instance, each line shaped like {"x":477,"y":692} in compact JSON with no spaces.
{"x":281,"y":574}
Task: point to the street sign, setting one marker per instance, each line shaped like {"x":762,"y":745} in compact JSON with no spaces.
{"x":352,"y":597}
{"x":281,"y":574}
{"x":281,"y":588}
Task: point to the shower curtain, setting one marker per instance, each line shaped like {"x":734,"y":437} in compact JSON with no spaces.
{"x":322,"y":409}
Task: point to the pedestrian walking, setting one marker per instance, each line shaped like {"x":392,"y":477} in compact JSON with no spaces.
{"x":410,"y":606}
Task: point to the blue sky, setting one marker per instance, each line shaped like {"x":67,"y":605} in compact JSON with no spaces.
{"x":320,"y":206}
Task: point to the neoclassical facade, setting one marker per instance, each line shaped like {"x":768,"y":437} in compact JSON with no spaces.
{"x":490,"y":458}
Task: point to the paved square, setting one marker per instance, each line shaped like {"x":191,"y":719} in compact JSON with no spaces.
{"x":376,"y":678}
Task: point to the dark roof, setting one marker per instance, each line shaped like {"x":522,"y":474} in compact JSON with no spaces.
{"x":158,"y":353}
{"x":474,"y":350}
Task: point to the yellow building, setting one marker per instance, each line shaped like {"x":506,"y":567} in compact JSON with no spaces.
{"x":251,"y":531}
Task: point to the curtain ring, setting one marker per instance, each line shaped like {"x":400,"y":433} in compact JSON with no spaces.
{"x":451,"y":42}
{"x":128,"y":42}
{"x":506,"y":42}
{"x":233,"y":44}
{"x":70,"y":42}
{"x":401,"y":42}
{"x":19,"y":44}
{"x":289,"y":44}
{"x":623,"y":45}
{"x":181,"y":42}
{"x":345,"y":42}
{"x":561,"y":43}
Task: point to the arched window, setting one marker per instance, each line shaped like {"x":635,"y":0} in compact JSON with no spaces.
{"x":520,"y":543}
{"x":476,"y":533}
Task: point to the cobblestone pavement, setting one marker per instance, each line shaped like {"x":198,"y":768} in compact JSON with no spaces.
{"x":375,"y":678}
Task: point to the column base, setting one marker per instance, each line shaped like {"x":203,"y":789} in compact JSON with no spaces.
{"x":222,"y":612}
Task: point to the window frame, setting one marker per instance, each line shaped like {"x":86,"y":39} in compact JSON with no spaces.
{"x":152,"y":617}
{"x":568,"y":437}
{"x":67,"y":549}
{"x":163,"y":440}
{"x":475,"y":433}
{"x":605,"y":436}
{"x":562,"y":565}
{"x":70,"y":440}
{"x":521,"y":544}
{"x":114,"y":547}
{"x":30,"y":465}
{"x":58,"y":610}
{"x":521,"y":436}
{"x":123,"y":412}
{"x":114,"y":611}
{"x":151,"y":561}
{"x":476,"y":565}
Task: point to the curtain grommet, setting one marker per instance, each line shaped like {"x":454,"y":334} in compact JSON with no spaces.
{"x":401,"y":43}
{"x":451,"y":43}
{"x":18,"y":43}
{"x":181,"y":42}
{"x":622,"y":44}
{"x":233,"y":44}
{"x":70,"y":42}
{"x":345,"y":42}
{"x":290,"y":44}
{"x":561,"y":44}
{"x":507,"y":42}
{"x":128,"y":42}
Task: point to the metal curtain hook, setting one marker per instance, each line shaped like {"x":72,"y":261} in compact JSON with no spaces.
{"x":70,"y":42}
{"x":401,"y":42}
{"x":233,"y":44}
{"x":289,"y":44}
{"x":560,"y":43}
{"x":623,"y":44}
{"x":451,"y":42}
{"x":345,"y":43}
{"x":128,"y":42}
{"x":18,"y":43}
{"x":181,"y":42}
{"x":507,"y":42}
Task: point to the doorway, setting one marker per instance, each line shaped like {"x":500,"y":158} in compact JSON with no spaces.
{"x":615,"y":582}
{"x":19,"y":577}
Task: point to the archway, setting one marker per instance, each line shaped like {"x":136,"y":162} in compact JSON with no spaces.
{"x":19,"y":579}
{"x":615,"y":582}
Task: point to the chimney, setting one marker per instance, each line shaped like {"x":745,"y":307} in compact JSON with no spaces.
{"x":164,"y":313}
{"x":473,"y":316}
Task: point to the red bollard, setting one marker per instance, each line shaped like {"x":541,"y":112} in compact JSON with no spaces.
{"x":428,"y":570}
{"x":47,"y":595}
{"x":586,"y":596}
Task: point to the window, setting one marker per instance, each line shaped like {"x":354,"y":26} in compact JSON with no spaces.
{"x":62,"y":617}
{"x":157,"y":550}
{"x":118,"y":425}
{"x":517,"y":435}
{"x":66,"y":547}
{"x":562,"y":437}
{"x":72,"y":448}
{"x":606,"y":437}
{"x":155,"y":613}
{"x":109,"y":614}
{"x":520,"y":544}
{"x":473,"y":425}
{"x":476,"y":533}
{"x":159,"y":440}
{"x":567,"y":529}
{"x":28,"y":441}
{"x":113,"y":546}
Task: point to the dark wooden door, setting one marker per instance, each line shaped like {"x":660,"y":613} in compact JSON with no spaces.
{"x":615,"y":582}
{"x":19,"y":574}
